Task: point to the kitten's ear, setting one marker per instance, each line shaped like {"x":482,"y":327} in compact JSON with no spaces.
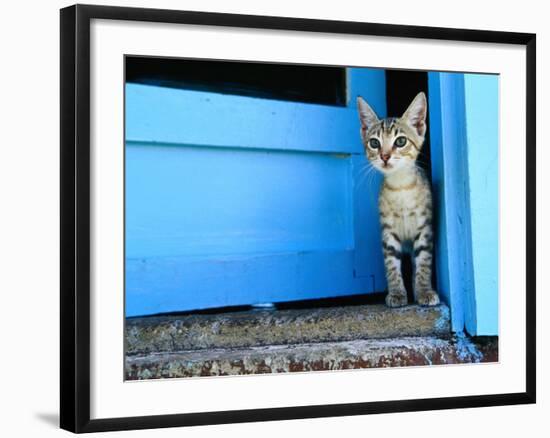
{"x":366,"y":114}
{"x":416,"y":114}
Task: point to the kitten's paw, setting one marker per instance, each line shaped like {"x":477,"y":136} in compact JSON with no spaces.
{"x":427,"y":298}
{"x":396,"y":299}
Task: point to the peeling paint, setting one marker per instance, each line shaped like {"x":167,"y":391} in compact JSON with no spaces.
{"x":465,"y":348}
{"x":358,"y":354}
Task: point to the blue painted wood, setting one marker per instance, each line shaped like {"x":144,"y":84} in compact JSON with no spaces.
{"x":464,"y":140}
{"x":370,"y":83}
{"x":193,"y":118}
{"x":453,"y":257}
{"x":217,"y":201}
{"x":163,"y":284}
{"x":234,"y":200}
{"x":369,"y":262}
{"x":441,"y":249}
{"x":482,"y":115}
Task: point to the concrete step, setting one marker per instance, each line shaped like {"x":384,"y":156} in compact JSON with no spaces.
{"x":370,"y":353}
{"x":255,"y":328}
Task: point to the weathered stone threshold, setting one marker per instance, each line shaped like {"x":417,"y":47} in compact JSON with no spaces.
{"x":397,"y":352}
{"x":279,"y":327}
{"x":268,"y":341}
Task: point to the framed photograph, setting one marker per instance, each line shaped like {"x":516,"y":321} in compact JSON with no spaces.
{"x":268,"y":218}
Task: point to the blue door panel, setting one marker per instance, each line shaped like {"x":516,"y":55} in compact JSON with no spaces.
{"x":163,"y":284}
{"x":158,"y":115}
{"x":369,"y":261}
{"x":234,"y":200}
{"x":218,"y":201}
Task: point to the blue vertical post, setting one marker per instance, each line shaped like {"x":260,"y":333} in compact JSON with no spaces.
{"x":481,"y":104}
{"x":450,"y":187}
{"x":463,"y":112}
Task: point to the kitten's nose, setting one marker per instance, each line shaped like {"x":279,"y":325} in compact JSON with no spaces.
{"x":385,"y":157}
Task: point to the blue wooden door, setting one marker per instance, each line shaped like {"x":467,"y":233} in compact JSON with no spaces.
{"x":233,"y":200}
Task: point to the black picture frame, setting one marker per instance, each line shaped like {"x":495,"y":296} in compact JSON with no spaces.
{"x":75,"y":217}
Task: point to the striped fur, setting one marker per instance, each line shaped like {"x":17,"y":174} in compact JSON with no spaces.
{"x":405,"y":199}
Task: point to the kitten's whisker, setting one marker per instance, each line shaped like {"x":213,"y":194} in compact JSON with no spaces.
{"x":361,"y":179}
{"x":363,"y":173}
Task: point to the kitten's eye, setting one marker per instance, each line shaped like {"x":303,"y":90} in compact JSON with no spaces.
{"x":400,"y":141}
{"x":374,"y":143}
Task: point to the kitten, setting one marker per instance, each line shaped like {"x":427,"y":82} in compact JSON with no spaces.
{"x":405,"y":201}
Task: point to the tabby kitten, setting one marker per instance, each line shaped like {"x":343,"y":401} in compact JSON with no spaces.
{"x":405,"y":201}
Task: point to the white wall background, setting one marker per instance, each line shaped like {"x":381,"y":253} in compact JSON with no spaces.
{"x":29,"y":216}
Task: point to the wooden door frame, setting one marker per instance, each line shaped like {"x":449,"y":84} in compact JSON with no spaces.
{"x":466,"y":209}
